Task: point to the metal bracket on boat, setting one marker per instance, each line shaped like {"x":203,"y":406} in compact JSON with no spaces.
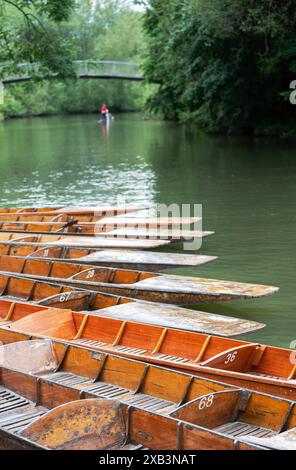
{"x":37,"y":391}
{"x":179,"y":435}
{"x":242,"y":402}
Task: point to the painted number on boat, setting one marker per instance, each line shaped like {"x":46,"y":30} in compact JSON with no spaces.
{"x":65,"y":297}
{"x":206,"y":402}
{"x":46,"y":253}
{"x":90,"y":274}
{"x":230,"y":357}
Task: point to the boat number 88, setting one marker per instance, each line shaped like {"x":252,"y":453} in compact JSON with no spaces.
{"x":230,"y":357}
{"x":206,"y":402}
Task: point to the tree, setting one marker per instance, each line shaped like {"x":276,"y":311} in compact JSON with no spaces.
{"x":30,"y":32}
{"x":225,"y":63}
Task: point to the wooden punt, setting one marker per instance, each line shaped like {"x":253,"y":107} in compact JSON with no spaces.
{"x":105,"y":224}
{"x":167,"y":288}
{"x":25,"y":223}
{"x":251,"y":365}
{"x":173,"y":234}
{"x":85,"y":242}
{"x":37,"y":247}
{"x":63,"y":397}
{"x":94,"y":210}
{"x":111,"y":306}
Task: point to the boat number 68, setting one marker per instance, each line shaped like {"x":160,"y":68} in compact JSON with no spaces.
{"x":230,"y":357}
{"x":206,"y":402}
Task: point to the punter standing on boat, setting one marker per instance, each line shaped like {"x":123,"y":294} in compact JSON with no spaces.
{"x":104,"y":112}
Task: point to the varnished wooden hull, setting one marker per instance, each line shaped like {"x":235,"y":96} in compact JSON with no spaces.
{"x":255,"y":366}
{"x":96,"y":225}
{"x":124,"y":258}
{"x":102,"y":210}
{"x":179,"y":290}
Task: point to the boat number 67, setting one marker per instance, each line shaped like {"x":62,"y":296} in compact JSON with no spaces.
{"x":206,"y":402}
{"x":64,"y":297}
{"x":230,"y":357}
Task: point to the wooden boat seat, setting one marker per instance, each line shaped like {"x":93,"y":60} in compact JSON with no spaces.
{"x":238,"y":429}
{"x":17,"y":423}
{"x":10,"y":400}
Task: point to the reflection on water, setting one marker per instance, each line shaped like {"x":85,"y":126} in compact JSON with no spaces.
{"x":247,"y":188}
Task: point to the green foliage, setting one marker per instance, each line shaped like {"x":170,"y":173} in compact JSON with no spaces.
{"x":30,"y":32}
{"x":224,"y":63}
{"x":98,"y":30}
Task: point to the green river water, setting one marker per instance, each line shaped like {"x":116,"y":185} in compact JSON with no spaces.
{"x":247,"y":188}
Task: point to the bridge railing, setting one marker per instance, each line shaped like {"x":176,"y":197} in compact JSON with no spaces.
{"x":83,"y":68}
{"x":107,"y":68}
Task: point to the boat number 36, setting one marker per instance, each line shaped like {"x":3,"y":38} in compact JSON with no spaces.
{"x":230,"y":357}
{"x":206,"y":402}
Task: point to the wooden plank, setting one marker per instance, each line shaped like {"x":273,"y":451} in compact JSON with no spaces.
{"x":179,"y":290}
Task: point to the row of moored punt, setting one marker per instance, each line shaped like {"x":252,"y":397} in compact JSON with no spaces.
{"x":98,"y":352}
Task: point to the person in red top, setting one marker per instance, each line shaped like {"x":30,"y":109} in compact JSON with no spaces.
{"x":104,"y":111}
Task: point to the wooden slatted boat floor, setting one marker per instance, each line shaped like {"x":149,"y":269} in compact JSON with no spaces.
{"x":217,"y":415}
{"x":16,"y":412}
{"x":135,"y":284}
